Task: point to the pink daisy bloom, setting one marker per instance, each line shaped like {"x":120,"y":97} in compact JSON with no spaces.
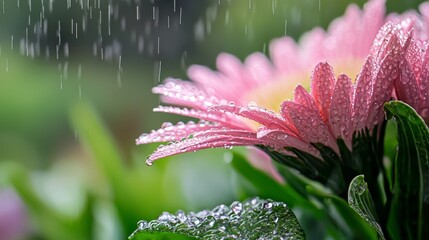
{"x":412,"y":86}
{"x":245,"y":104}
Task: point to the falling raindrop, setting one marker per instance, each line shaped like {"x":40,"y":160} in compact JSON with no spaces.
{"x":159,"y":71}
{"x":180,"y":15}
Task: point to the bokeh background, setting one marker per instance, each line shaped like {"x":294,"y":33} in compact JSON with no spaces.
{"x":75,"y":92}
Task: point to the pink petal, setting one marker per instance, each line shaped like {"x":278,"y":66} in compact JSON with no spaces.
{"x":259,"y":67}
{"x":232,"y":68}
{"x":311,"y":126}
{"x":424,"y":82}
{"x":186,"y":94}
{"x":280,"y":138}
{"x":169,"y":132}
{"x":301,"y":96}
{"x":223,"y":119}
{"x":259,"y":115}
{"x":322,"y":86}
{"x":263,"y":161}
{"x":406,"y":88}
{"x":362,"y":95}
{"x":344,"y":34}
{"x":380,"y":44}
{"x":284,"y":54}
{"x":206,"y":78}
{"x":311,"y":50}
{"x":424,"y":11}
{"x":385,"y":75}
{"x":414,"y":57}
{"x":373,"y":18}
{"x":340,"y":112}
{"x":207,"y":139}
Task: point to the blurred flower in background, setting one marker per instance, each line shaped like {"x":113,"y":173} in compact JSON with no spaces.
{"x":14,"y":221}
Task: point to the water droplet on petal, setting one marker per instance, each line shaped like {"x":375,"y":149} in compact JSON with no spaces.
{"x":149,"y":162}
{"x":252,"y":105}
{"x":166,"y":125}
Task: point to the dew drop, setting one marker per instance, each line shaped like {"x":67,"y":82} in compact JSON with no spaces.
{"x":166,"y":125}
{"x":236,"y":207}
{"x":268,"y":205}
{"x":142,"y":225}
{"x":149,"y":162}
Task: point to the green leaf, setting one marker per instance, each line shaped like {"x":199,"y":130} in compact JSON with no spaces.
{"x":351,"y":224}
{"x":409,"y":212}
{"x":361,"y":201}
{"x":268,"y":187}
{"x":97,"y":139}
{"x":252,"y":219}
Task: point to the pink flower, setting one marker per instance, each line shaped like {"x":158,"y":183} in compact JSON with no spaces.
{"x":412,"y":86}
{"x":244,"y":104}
{"x":13,"y":216}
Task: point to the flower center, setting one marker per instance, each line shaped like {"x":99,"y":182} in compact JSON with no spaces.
{"x":274,"y":92}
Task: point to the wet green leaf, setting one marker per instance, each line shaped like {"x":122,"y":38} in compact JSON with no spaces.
{"x":409,"y":211}
{"x":268,"y":187}
{"x":252,"y":219}
{"x":351,"y":224}
{"x":97,"y":139}
{"x":360,"y":200}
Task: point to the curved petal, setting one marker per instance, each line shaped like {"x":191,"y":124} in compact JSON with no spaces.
{"x":259,"y":115}
{"x":322,"y":86}
{"x":207,"y":139}
{"x":385,"y":74}
{"x":340,"y":111}
{"x":169,"y":132}
{"x":310,"y":125}
{"x":285,"y":56}
{"x":223,"y":119}
{"x":178,"y":92}
{"x":362,"y":95}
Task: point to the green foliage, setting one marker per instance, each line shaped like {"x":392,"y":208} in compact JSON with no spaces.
{"x":409,"y":210}
{"x":361,"y":201}
{"x":252,"y":219}
{"x":321,"y":212}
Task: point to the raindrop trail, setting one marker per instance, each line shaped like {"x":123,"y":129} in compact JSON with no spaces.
{"x":273,"y":6}
{"x":61,"y":82}
{"x":159,"y":71}
{"x":80,"y":91}
{"x":158,"y":45}
{"x":79,"y":72}
{"x":285,"y":27}
{"x":137,"y":12}
{"x":180,"y":15}
{"x":108,"y":19}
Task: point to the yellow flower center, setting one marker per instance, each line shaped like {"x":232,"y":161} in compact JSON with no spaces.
{"x":273,"y":93}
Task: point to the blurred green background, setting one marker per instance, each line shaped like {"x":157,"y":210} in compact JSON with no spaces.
{"x":75,"y":91}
